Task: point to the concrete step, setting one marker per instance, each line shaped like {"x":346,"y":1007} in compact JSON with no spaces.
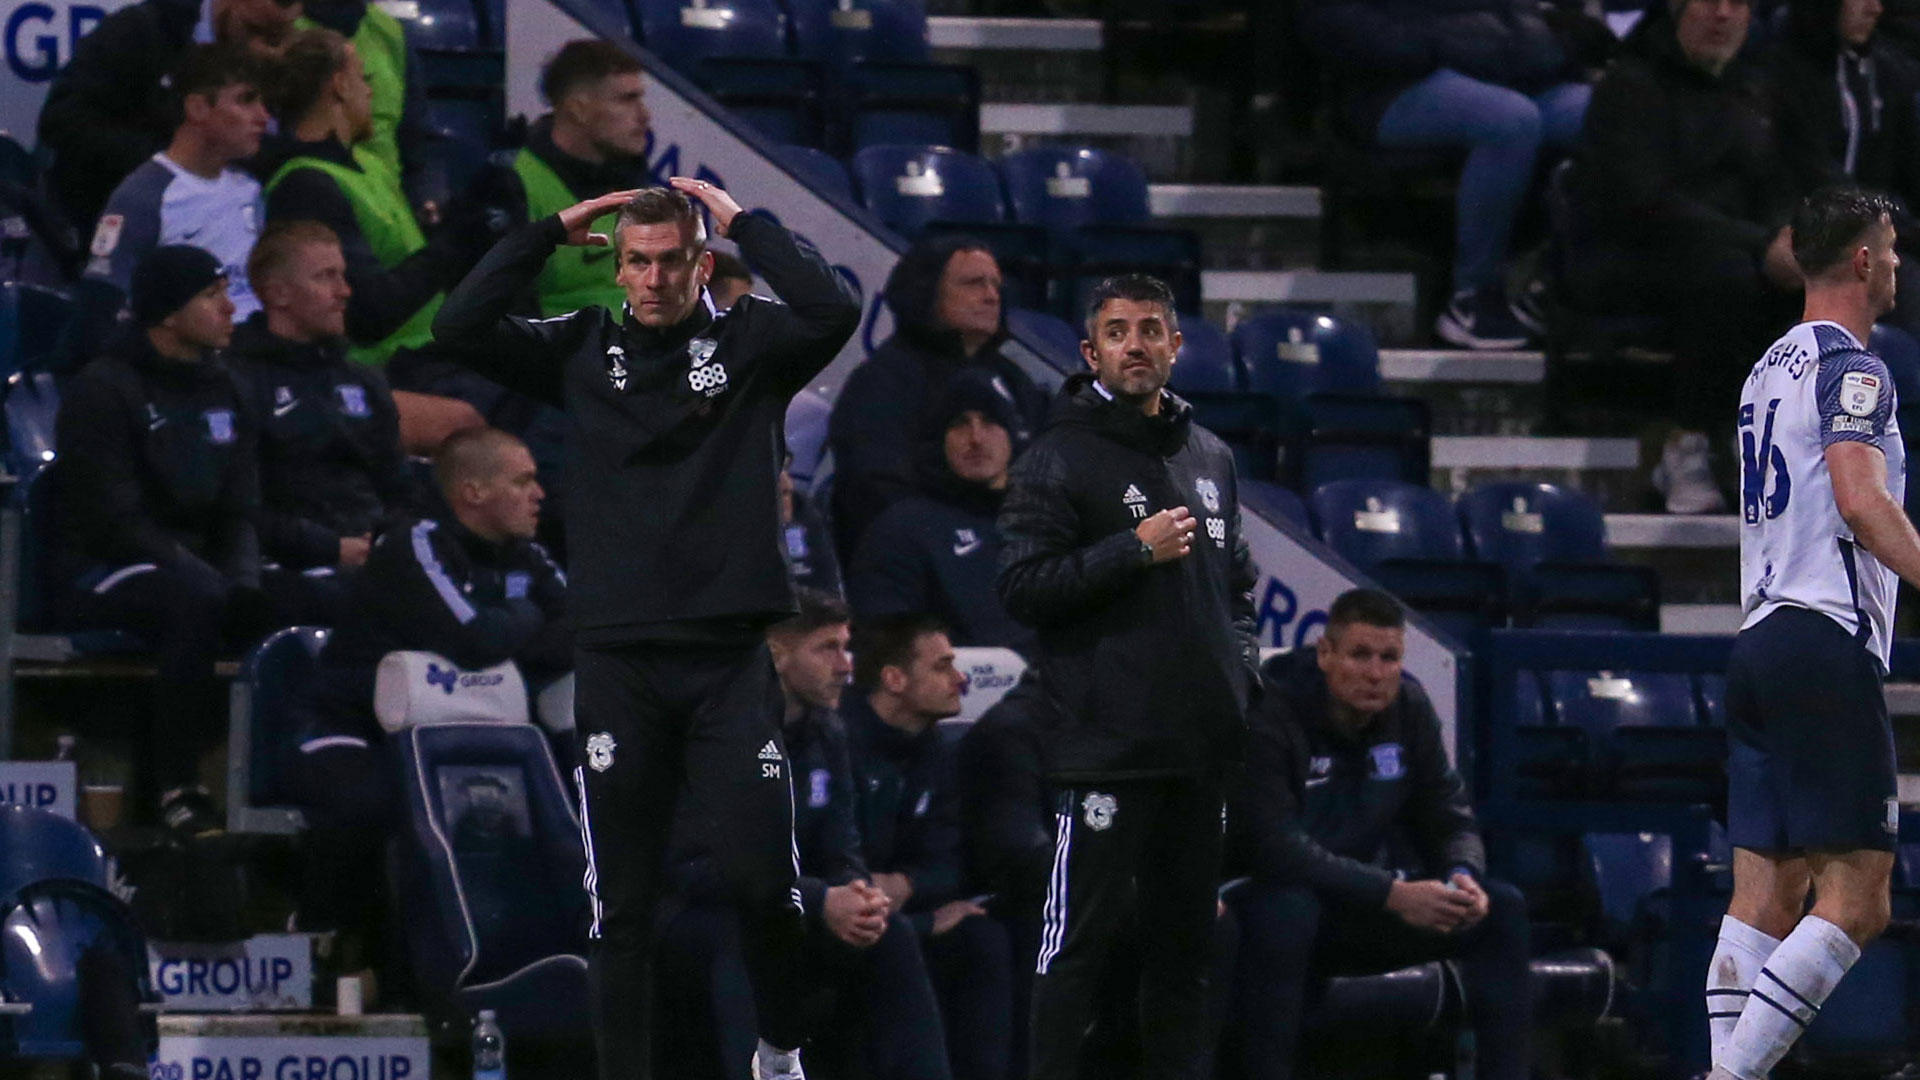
{"x":1234,"y":201}
{"x":1673,"y":531}
{"x":1013,"y":34}
{"x":1307,"y":287}
{"x":1089,"y":120}
{"x":1461,"y":366}
{"x":1511,"y":452}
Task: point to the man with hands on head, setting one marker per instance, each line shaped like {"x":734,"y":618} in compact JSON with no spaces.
{"x":674,"y":431}
{"x":1348,"y":769}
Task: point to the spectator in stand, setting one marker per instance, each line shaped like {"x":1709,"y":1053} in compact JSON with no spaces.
{"x":190,"y":192}
{"x":938,"y":551}
{"x":809,"y":549}
{"x":154,"y":498}
{"x":731,"y":280}
{"x":472,"y":586}
{"x":332,"y":477}
{"x":398,"y":275}
{"x":1680,"y":195}
{"x":593,"y":142}
{"x":1348,"y":767}
{"x":945,"y":297}
{"x":110,"y":108}
{"x":1843,"y":104}
{"x":853,"y":931}
{"x":1485,"y":76}
{"x":909,"y":814}
{"x":403,"y":137}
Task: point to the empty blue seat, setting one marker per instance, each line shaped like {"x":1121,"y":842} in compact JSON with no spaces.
{"x":1067,"y":187}
{"x":1710,"y":690}
{"x":909,"y":186}
{"x":1274,"y":502}
{"x":1085,"y":257}
{"x":1248,"y":423}
{"x":1624,"y":869}
{"x":475,"y":118}
{"x":777,"y":96}
{"x":1055,"y":339}
{"x":1369,"y":521}
{"x":71,"y":949}
{"x":34,"y":324}
{"x":1205,"y":362}
{"x":39,"y":845}
{"x":840,"y":33}
{"x":1602,"y":702}
{"x":488,"y":864}
{"x":1550,"y":762}
{"x":1520,"y":524}
{"x":1644,"y":727}
{"x":1358,"y":436}
{"x":822,"y":171}
{"x":1865,"y":1026}
{"x":932,"y":104}
{"x":453,"y":25}
{"x":1290,"y":352}
{"x":272,"y":679}
{"x":31,"y":406}
{"x":1464,"y":599}
{"x":684,"y":33}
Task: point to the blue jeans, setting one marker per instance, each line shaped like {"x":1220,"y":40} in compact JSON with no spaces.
{"x":1502,"y":131}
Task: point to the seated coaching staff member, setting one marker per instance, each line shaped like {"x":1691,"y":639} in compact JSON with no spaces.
{"x":1346,"y":768}
{"x":675,"y":417}
{"x":1147,"y":655}
{"x":472,"y":586}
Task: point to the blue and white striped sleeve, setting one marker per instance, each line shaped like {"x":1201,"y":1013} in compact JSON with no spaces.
{"x":1854,"y":396}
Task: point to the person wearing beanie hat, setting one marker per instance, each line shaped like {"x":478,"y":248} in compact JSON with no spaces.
{"x":154,"y":495}
{"x":948,"y":317}
{"x":936,"y":552}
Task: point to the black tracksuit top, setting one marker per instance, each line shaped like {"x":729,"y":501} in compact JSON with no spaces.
{"x":1340,"y":811}
{"x":157,"y":465}
{"x":1149,"y":667}
{"x":330,"y":458}
{"x":908,"y":803}
{"x":675,"y":436}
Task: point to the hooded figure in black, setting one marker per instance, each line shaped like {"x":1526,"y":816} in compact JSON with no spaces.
{"x":937,"y":552}
{"x":945,"y":297}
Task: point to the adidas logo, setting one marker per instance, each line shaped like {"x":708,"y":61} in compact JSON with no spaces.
{"x":770,"y":752}
{"x":1133,"y":495}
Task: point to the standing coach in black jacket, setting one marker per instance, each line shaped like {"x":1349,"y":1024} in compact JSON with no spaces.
{"x":1348,"y":786}
{"x":1145,"y":616}
{"x":674,"y":441}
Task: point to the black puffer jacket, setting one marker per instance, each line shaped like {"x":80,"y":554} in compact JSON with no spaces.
{"x":1151,"y":666}
{"x":330,"y":459}
{"x":1377,"y":48}
{"x":1340,"y":811}
{"x":1672,"y":158}
{"x":887,"y":406}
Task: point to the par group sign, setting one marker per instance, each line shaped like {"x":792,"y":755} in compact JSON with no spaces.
{"x":291,"y":1058}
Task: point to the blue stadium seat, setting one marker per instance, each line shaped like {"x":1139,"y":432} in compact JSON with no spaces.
{"x":683,"y":33}
{"x":1710,"y":690}
{"x":39,"y":845}
{"x":1552,"y":541}
{"x":1275,"y":502}
{"x":1369,"y":521}
{"x":1645,"y":731}
{"x":932,"y":104}
{"x":909,"y":186}
{"x":822,"y":171}
{"x":1291,"y":353}
{"x":474,"y":117}
{"x":1602,"y":702}
{"x":33,"y":497}
{"x":1084,"y":257}
{"x":1361,"y":437}
{"x":67,"y":948}
{"x":777,"y":96}
{"x":31,"y":406}
{"x":1623,"y":870}
{"x":259,"y":727}
{"x":451,"y":25}
{"x":1865,"y":1027}
{"x":1464,"y":599}
{"x":487,"y":864}
{"x":840,"y":33}
{"x":1249,"y":424}
{"x":1057,"y":341}
{"x":1550,"y":762}
{"x":1205,"y":362}
{"x":1067,"y":187}
{"x":34,"y":324}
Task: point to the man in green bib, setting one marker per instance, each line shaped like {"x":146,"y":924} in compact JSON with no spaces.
{"x":403,"y":135}
{"x":593,"y":142}
{"x":398,"y":273}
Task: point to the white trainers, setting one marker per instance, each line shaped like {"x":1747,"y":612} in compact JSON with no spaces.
{"x":1685,"y":476}
{"x":772,"y":1064}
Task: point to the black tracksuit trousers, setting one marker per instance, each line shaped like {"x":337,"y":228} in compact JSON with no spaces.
{"x":1125,"y":850}
{"x":693,"y":728}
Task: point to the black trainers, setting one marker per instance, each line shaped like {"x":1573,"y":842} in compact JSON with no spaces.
{"x":1481,"y":319}
{"x":191,"y":812}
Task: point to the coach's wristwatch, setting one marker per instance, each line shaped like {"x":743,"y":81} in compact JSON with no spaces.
{"x":1146,"y":553}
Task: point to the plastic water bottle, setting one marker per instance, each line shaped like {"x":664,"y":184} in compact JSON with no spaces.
{"x":489,"y":1048}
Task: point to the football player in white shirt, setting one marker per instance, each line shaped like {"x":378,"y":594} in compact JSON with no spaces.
{"x":1810,"y":762}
